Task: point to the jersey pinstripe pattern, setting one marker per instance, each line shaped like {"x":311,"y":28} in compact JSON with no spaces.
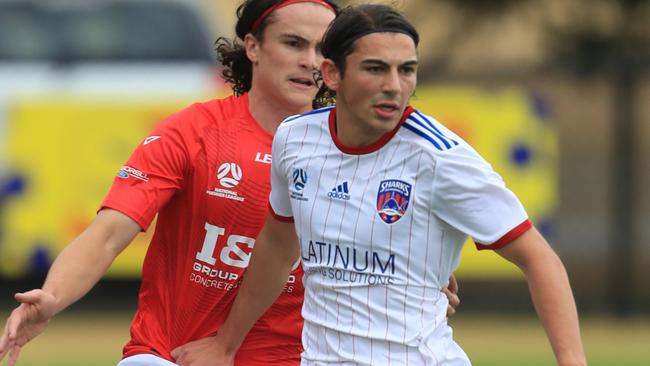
{"x":376,"y":257}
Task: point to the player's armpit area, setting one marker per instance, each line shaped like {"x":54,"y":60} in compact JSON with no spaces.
{"x":287,"y":219}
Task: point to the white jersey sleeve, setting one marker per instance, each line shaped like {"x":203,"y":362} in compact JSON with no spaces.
{"x":470,"y":196}
{"x":279,"y":196}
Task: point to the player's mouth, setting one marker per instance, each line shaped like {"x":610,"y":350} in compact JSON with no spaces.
{"x":386,"y":109}
{"x":302,"y":83}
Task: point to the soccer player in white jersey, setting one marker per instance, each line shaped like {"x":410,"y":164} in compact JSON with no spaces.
{"x":202,"y":240}
{"x":382,"y":197}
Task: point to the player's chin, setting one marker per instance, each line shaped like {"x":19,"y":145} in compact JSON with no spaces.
{"x":301,"y":99}
{"x":384,"y":125}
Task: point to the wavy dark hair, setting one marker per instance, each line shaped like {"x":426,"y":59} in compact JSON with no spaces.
{"x":237,"y":68}
{"x":354,"y":22}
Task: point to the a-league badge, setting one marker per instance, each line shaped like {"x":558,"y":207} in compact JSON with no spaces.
{"x":299,"y":179}
{"x":392,"y":199}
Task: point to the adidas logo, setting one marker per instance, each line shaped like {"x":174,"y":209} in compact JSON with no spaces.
{"x":340,"y":192}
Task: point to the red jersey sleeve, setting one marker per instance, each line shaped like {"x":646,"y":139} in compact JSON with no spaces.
{"x":153,"y":173}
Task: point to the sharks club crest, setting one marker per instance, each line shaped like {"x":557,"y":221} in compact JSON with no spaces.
{"x":392,"y":199}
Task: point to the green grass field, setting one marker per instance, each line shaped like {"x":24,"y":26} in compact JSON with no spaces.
{"x":95,"y":339}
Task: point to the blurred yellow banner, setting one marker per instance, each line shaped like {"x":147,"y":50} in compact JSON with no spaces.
{"x":68,"y":151}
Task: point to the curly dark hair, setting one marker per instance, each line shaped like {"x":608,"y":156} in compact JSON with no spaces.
{"x":237,"y":68}
{"x":325,"y":96}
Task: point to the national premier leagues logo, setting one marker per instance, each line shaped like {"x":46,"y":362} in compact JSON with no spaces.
{"x":229,"y":176}
{"x":392,"y":199}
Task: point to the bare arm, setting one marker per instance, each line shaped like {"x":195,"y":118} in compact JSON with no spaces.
{"x":276,"y":250}
{"x":74,"y":272}
{"x":551,"y":294}
{"x":87,"y":258}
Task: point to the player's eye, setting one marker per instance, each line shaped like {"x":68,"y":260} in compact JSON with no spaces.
{"x":374,"y":69}
{"x":408,"y":70}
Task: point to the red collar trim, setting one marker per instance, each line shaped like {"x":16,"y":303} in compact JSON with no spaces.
{"x":360,"y":150}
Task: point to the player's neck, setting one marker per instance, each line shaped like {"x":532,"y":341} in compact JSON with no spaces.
{"x":267,"y":113}
{"x":353,"y":133}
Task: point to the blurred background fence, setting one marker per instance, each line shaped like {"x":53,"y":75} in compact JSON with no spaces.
{"x":553,"y":93}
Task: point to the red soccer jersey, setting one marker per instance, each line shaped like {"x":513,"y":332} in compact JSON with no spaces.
{"x":206,"y":171}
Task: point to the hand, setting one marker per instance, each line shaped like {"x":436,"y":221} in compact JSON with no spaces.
{"x":452,"y":295}
{"x":26,"y":322}
{"x":203,"y":352}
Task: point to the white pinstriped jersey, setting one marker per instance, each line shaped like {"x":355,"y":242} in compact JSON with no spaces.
{"x":381,"y":229}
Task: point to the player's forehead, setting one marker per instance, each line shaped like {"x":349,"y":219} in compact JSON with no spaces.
{"x":387,"y":47}
{"x":305,"y":20}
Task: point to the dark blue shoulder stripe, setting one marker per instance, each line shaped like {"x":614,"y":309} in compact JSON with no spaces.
{"x":432,"y":125}
{"x":422,"y":134}
{"x":422,"y":126}
{"x":425,"y":118}
{"x":430,"y":131}
{"x":427,"y":126}
{"x":315,"y":111}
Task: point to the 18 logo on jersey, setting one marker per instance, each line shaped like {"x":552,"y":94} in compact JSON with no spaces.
{"x":207,"y":269}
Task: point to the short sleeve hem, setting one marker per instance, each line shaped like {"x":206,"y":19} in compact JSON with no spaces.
{"x":508,"y":237}
{"x":287,"y":219}
{"x":141,"y":221}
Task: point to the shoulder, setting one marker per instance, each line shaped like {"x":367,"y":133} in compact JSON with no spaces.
{"x":317,"y":117}
{"x":195,"y":116}
{"x":222,"y":109}
{"x":439,"y":142}
{"x":431,"y":134}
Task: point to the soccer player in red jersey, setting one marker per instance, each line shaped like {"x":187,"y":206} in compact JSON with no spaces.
{"x":205,"y":171}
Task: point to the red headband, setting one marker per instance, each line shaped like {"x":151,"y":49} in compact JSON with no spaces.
{"x":282,"y":4}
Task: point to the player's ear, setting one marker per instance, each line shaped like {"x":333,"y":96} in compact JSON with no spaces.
{"x":331,"y":74}
{"x":252,"y":46}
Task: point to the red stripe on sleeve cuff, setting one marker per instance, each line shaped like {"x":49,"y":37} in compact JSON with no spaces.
{"x":288,"y":219}
{"x":508,"y":237}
